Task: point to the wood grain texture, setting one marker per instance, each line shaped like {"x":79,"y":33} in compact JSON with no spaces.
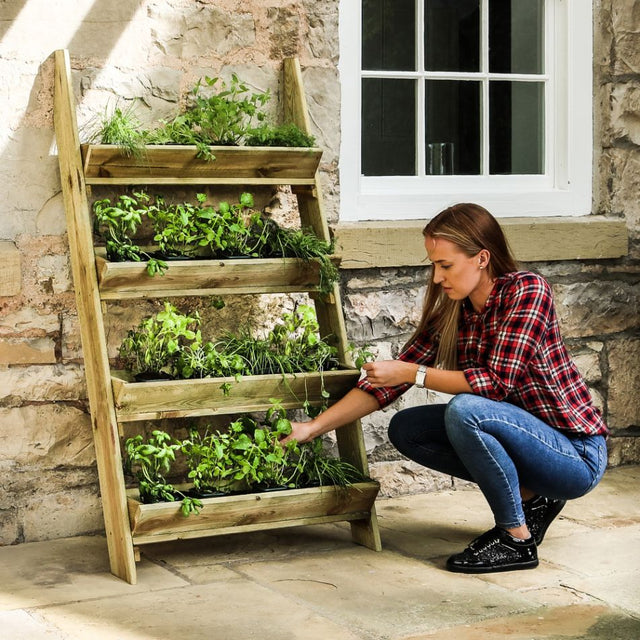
{"x":96,"y":362}
{"x":400,"y":243}
{"x":250,"y":512}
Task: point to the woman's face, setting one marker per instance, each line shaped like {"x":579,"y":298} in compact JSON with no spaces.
{"x":459,"y":275}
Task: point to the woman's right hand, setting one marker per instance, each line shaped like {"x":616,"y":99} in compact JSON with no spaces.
{"x":301,"y":432}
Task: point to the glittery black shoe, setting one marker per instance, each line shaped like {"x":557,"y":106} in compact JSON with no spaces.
{"x":539,"y":513}
{"x":495,"y":550}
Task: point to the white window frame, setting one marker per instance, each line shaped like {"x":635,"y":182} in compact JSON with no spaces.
{"x":565,"y":189}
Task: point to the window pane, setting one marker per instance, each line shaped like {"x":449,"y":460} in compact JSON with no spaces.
{"x":388,"y":127}
{"x":388,"y":35}
{"x":453,"y":117}
{"x":452,"y":35}
{"x":516,"y":36}
{"x":516,"y":127}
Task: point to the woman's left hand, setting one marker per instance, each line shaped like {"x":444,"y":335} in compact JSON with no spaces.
{"x":390,"y":373}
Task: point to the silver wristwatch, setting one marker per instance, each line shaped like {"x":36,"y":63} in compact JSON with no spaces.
{"x":421,"y":376}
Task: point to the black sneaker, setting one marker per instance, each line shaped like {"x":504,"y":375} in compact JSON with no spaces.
{"x":495,"y":550}
{"x":540,"y":513}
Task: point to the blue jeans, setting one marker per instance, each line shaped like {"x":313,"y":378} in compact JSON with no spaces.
{"x":500,"y":447}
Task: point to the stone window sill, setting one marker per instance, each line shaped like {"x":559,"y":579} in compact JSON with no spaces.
{"x":364,"y":245}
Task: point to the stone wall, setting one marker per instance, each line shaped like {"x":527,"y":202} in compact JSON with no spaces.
{"x":154,"y":51}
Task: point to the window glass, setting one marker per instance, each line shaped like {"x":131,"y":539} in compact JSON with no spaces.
{"x":388,"y":127}
{"x":388,"y":34}
{"x":452,"y":35}
{"x":516,"y":36}
{"x":453,"y":117}
{"x":516,"y":127}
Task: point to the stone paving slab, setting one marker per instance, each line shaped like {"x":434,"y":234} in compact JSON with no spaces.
{"x":314,"y":583}
{"x":578,"y":622}
{"x":236,"y":609}
{"x":45,"y":573}
{"x":384,"y":595}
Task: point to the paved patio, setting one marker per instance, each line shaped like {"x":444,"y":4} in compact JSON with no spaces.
{"x":314,"y":583}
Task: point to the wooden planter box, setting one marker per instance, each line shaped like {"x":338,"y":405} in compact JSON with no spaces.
{"x":163,"y":521}
{"x":170,"y":164}
{"x":120,"y":280}
{"x":200,"y":397}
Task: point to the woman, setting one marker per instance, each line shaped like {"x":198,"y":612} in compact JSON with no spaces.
{"x":521,"y":424}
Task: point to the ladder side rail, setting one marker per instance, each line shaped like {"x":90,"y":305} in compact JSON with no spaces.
{"x":96,"y":362}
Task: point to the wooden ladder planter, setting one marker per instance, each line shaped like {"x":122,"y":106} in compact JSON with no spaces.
{"x":163,"y":521}
{"x":115,"y":399}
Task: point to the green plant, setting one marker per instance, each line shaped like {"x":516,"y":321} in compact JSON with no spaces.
{"x":284,"y":135}
{"x":304,"y":244}
{"x":313,"y":467}
{"x":154,"y":347}
{"x":178,"y":227}
{"x":222,"y":118}
{"x":124,"y":129}
{"x":293,"y":345}
{"x":360,"y":355}
{"x":246,"y":456}
{"x":118,"y":223}
{"x":151,"y":460}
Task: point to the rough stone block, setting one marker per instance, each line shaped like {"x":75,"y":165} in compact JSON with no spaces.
{"x":382,"y":313}
{"x":46,"y":436}
{"x":28,"y":320}
{"x":624,"y":383}
{"x":10,"y":272}
{"x":27,"y":351}
{"x":70,"y":512}
{"x":51,"y":220}
{"x":54,"y":273}
{"x":623,"y":450}
{"x":625,"y":109}
{"x":405,"y":477}
{"x":596,"y":308}
{"x":588,"y":364}
{"x":9,"y":527}
{"x":284,"y":32}
{"x":43,"y":383}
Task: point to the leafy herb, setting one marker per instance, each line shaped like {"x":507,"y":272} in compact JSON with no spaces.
{"x":152,"y":460}
{"x":118,"y":223}
{"x":225,"y":117}
{"x":284,"y":135}
{"x":154,"y":348}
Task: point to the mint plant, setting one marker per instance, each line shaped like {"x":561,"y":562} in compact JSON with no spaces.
{"x":154,"y":347}
{"x":118,"y":223}
{"x":151,"y":460}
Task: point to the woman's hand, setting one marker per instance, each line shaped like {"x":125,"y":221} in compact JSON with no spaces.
{"x":390,"y":373}
{"x":300,"y":431}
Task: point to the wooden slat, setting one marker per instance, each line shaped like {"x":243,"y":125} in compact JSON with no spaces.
{"x":250,"y":512}
{"x":189,"y":398}
{"x":120,"y":280}
{"x":178,"y":164}
{"x":96,"y":363}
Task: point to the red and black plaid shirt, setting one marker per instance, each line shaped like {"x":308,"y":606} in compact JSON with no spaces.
{"x":512,"y":351}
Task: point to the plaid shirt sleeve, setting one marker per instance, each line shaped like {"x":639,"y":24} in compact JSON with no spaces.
{"x":422,"y":350}
{"x":520,"y":328}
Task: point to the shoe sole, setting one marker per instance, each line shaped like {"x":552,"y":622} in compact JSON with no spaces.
{"x":540,"y":537}
{"x":507,"y":567}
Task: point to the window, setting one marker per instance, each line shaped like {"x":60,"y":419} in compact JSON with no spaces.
{"x":477,"y":100}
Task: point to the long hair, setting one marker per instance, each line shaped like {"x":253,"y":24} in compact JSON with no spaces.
{"x":471,"y":228}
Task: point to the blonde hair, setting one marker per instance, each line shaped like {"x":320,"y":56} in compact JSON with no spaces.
{"x":471,"y":228}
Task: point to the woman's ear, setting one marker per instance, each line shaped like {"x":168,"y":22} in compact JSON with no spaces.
{"x":483,"y":258}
